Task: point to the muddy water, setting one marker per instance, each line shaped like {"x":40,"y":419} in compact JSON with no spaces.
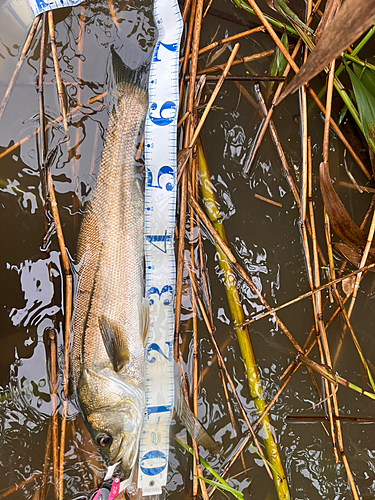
{"x":265,"y":239}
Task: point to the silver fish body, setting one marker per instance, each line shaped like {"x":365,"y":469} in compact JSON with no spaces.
{"x":110,"y":317}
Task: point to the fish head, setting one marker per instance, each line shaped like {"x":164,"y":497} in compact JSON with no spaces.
{"x":114,"y":414}
{"x":116,"y":432}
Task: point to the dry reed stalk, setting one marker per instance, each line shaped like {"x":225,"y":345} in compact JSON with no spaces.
{"x":24,"y":51}
{"x":185,"y":10}
{"x":276,"y":141}
{"x":197,"y":469}
{"x":334,"y":423}
{"x":46,"y":463}
{"x":303,"y":201}
{"x":364,"y":221}
{"x":207,"y":8}
{"x":242,"y":60}
{"x":71,"y":114}
{"x":68,"y":312}
{"x":223,"y":41}
{"x":307,"y":294}
{"x":42,"y":139}
{"x":240,"y":78}
{"x":113,"y":14}
{"x":312,"y":418}
{"x":183,"y":200}
{"x":181,"y":121}
{"x":292,"y":64}
{"x":296,"y":365}
{"x":351,"y":186}
{"x":60,"y":88}
{"x":76,"y":162}
{"x":370,"y":237}
{"x":228,"y":254}
{"x":42,"y":135}
{"x":140,"y":147}
{"x":196,"y":461}
{"x":189,"y":38}
{"x":214,"y":356}
{"x":267,"y":200}
{"x":203,"y":272}
{"x":214,"y":94}
{"x":317,"y":299}
{"x":55,"y":424}
{"x":276,"y":95}
{"x":16,"y":487}
{"x":94,"y":149}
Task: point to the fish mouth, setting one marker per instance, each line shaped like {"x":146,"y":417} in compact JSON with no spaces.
{"x":126,"y":452}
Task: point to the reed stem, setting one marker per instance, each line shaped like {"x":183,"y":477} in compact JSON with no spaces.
{"x":247,"y":353}
{"x":24,"y":51}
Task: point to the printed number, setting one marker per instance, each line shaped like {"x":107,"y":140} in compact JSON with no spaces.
{"x":159,"y":241}
{"x":156,"y":348}
{"x":167,"y":113}
{"x":172,"y":47}
{"x":166,"y":289}
{"x":162,"y":171}
{"x":153,"y":463}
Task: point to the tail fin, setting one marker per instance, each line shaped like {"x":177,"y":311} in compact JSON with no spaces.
{"x":189,"y":420}
{"x":122,"y":74}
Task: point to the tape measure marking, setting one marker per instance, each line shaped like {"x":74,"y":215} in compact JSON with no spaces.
{"x":39,"y":6}
{"x":160,"y":208}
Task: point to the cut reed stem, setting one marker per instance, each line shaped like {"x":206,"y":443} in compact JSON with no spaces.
{"x":24,"y":51}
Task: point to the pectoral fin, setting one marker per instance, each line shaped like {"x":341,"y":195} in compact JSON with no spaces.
{"x":144,"y":319}
{"x":115,"y":342}
{"x":192,"y":424}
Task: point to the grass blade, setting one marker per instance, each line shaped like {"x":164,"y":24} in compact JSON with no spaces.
{"x":221,"y":486}
{"x":366,"y":106}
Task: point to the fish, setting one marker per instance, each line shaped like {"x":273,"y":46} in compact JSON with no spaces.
{"x":111,"y":315}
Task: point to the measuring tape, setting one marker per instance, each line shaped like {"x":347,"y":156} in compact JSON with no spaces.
{"x":159,"y":224}
{"x":39,"y":6}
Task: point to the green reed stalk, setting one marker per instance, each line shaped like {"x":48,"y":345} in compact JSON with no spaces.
{"x":253,"y":378}
{"x":243,"y":5}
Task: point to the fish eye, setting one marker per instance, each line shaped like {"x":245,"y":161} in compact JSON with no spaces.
{"x":103,"y":439}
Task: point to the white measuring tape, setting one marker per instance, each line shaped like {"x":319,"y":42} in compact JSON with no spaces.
{"x":39,"y":6}
{"x":160,"y":208}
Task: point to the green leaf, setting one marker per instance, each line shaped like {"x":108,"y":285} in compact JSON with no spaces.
{"x":203,"y":462}
{"x":366,"y":76}
{"x":269,"y":463}
{"x":342,"y":114}
{"x":221,"y":486}
{"x":366,"y":108}
{"x":281,"y":62}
